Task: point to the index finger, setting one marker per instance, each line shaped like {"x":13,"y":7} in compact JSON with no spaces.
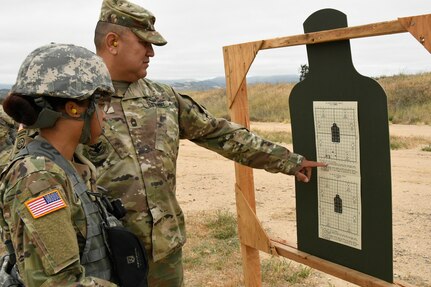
{"x":310,"y":163}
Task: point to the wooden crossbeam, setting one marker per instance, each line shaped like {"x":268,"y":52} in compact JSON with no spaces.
{"x":419,"y":27}
{"x":339,"y":271}
{"x":239,"y":57}
{"x":376,"y":29}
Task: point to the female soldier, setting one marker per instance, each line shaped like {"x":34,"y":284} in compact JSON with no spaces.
{"x":62,"y":90}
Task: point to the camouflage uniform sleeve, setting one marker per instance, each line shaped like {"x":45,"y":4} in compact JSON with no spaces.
{"x":46,"y":245}
{"x":232,"y":140}
{"x":7,"y":137}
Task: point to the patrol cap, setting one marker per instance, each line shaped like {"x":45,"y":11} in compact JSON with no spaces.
{"x":139,"y":20}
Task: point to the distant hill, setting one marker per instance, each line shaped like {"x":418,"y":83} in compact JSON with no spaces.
{"x":5,"y":86}
{"x":202,"y":85}
{"x":3,"y":93}
{"x":4,"y":89}
{"x":195,"y":85}
{"x":220,"y":83}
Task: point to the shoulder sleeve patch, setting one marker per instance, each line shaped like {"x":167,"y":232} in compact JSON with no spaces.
{"x":38,"y":186}
{"x":45,"y":204}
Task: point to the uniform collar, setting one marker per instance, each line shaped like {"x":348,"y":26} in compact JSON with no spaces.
{"x":120,"y":87}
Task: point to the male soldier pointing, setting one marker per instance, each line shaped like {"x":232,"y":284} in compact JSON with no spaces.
{"x":137,"y":157}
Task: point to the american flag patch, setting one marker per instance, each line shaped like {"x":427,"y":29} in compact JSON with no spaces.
{"x":45,"y":204}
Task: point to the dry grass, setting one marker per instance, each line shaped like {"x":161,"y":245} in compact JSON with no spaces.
{"x":212,"y":255}
{"x":409,"y":100}
{"x":208,"y":260}
{"x":398,"y":142}
{"x":275,"y":136}
{"x":267,"y":102}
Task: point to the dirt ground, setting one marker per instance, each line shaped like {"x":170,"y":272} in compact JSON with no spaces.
{"x":206,"y":181}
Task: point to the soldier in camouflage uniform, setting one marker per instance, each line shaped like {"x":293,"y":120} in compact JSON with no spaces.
{"x":137,"y":156}
{"x":7,"y":137}
{"x":63,"y":91}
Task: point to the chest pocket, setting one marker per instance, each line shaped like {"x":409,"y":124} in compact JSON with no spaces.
{"x":116,"y":139}
{"x":153,"y":125}
{"x":167,"y":135}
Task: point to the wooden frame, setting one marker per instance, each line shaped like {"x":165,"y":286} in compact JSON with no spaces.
{"x":237,"y":60}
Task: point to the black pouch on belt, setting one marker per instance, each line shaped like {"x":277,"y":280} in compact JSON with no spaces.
{"x":129,"y":257}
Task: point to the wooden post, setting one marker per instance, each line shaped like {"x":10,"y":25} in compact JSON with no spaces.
{"x":242,"y":57}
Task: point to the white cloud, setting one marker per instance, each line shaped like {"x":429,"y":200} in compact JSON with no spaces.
{"x":197,"y":31}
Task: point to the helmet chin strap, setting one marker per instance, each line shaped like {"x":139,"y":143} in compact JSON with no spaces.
{"x":102,"y":128}
{"x":86,"y":130}
{"x":47,"y":116}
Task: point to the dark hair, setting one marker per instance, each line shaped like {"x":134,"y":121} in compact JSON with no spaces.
{"x":21,"y":108}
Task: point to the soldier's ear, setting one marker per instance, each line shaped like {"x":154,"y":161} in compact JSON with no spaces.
{"x":111,"y":42}
{"x":72,"y":109}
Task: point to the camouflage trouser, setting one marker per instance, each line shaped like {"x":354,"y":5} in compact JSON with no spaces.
{"x":167,"y":272}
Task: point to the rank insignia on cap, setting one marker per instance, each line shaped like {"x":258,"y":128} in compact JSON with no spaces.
{"x":45,"y":204}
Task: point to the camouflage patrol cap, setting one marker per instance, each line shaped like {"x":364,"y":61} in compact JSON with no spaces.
{"x":138,"y":19}
{"x":64,"y":71}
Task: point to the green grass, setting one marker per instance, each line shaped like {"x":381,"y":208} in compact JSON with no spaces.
{"x":277,"y":269}
{"x":427,"y":148}
{"x":223,"y":225}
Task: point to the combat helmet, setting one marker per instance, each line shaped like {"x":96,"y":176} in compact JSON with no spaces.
{"x":62,"y":71}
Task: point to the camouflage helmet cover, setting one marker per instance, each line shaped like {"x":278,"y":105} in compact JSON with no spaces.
{"x":64,"y":71}
{"x":139,"y":20}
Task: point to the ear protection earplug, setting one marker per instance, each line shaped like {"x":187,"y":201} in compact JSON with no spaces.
{"x":74,"y":111}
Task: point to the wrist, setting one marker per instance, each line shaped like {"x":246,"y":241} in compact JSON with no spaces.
{"x":294,"y":163}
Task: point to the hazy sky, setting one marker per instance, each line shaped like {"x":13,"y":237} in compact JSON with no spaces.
{"x":197,"y":30}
